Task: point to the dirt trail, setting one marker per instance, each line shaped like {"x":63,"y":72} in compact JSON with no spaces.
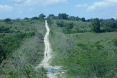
{"x":47,"y":56}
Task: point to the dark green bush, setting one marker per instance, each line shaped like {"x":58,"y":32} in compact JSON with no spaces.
{"x":5,"y":29}
{"x":115,"y":42}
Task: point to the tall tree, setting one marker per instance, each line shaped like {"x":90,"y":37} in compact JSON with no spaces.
{"x":95,"y":25}
{"x":83,"y":19}
{"x":42,"y":16}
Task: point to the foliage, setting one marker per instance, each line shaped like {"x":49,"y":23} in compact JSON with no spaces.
{"x":51,"y":16}
{"x":73,"y":18}
{"x":50,"y":22}
{"x":84,"y":55}
{"x":92,"y":61}
{"x":41,"y":17}
{"x":69,"y":25}
{"x":109,"y":25}
{"x":8,"y":44}
{"x":83,"y":19}
{"x":34,"y":18}
{"x":5,"y":29}
{"x":96,"y":25}
{"x":63,"y":16}
{"x":26,"y":71}
{"x":26,"y":18}
{"x":22,"y":49}
{"x":60,"y":24}
{"x":7,"y":20}
{"x":67,"y":28}
{"x":115,"y":42}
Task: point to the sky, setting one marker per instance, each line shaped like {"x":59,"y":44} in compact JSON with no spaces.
{"x":103,"y":9}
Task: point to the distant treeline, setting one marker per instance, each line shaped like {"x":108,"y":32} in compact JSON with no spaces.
{"x":65,"y":16}
{"x":62,"y":16}
{"x":97,"y":25}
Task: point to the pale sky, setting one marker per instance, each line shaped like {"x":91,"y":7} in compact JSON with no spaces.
{"x":82,"y":8}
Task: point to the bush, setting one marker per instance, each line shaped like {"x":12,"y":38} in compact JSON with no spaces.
{"x":8,"y":44}
{"x":115,"y":42}
{"x":90,"y":61}
{"x":5,"y":29}
{"x":60,"y":24}
{"x":7,"y":20}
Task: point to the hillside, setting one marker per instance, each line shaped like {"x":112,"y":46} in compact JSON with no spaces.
{"x":21,"y":48}
{"x":83,"y":53}
{"x":77,"y":48}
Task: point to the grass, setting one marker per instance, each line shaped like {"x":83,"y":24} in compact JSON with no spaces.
{"x":84,"y":55}
{"x":21,"y":62}
{"x":90,"y":37}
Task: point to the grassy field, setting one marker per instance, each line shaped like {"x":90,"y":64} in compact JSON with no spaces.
{"x":81,"y":53}
{"x":84,"y":55}
{"x":26,"y":47}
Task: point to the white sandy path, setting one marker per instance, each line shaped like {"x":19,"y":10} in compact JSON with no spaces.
{"x":47,"y":54}
{"x":48,"y":50}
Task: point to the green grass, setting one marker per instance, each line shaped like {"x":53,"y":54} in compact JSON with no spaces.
{"x":22,"y":60}
{"x":84,"y":55}
{"x":89,"y":37}
{"x":78,"y":26}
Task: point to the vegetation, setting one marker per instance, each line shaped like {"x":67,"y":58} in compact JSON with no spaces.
{"x":41,"y":17}
{"x":63,"y":16}
{"x":110,"y":25}
{"x":73,"y":26}
{"x":4,"y":29}
{"x":21,"y":48}
{"x":85,"y":48}
{"x":84,"y":54}
{"x":7,"y":20}
{"x":96,"y":25}
{"x":8,"y":44}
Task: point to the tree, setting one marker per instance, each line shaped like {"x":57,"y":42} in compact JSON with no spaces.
{"x":51,"y":16}
{"x":77,"y":18}
{"x":7,"y":20}
{"x":83,"y":19}
{"x":109,"y":25}
{"x":63,"y":16}
{"x":26,"y":18}
{"x":34,"y":18}
{"x":95,"y":25}
{"x":42,"y":16}
{"x":72,"y":18}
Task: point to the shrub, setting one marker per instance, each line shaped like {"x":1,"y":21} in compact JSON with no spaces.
{"x":115,"y":42}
